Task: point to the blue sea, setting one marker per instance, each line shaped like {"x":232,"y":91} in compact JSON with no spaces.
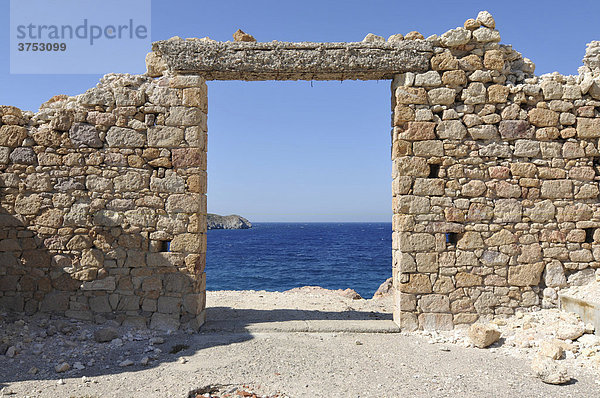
{"x":281,"y":256}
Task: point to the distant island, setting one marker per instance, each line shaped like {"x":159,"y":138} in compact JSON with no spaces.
{"x":215,"y":221}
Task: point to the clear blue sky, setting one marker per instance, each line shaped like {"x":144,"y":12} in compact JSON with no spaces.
{"x":289,"y":151}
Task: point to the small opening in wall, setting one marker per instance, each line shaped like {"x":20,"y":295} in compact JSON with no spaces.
{"x":434,"y":170}
{"x":589,"y":235}
{"x":596,"y":164}
{"x":451,"y":238}
{"x":165,"y":246}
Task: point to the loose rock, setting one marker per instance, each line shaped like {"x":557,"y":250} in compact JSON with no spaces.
{"x":549,"y":371}
{"x":483,"y":336}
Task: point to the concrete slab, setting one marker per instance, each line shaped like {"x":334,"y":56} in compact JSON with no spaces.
{"x":308,"y":326}
{"x":588,"y":310}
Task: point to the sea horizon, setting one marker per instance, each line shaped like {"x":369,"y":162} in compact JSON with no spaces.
{"x":279,"y":256}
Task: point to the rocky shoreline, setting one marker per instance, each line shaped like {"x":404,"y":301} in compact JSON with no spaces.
{"x":215,"y":221}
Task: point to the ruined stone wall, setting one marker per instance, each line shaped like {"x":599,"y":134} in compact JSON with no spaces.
{"x":103,"y":205}
{"x":495,"y":181}
{"x":495,"y":190}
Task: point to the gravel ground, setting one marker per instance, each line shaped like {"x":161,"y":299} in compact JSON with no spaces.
{"x":292,"y":364}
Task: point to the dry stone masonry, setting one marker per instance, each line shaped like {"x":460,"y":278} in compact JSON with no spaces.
{"x":495,"y":178}
{"x":103,"y":206}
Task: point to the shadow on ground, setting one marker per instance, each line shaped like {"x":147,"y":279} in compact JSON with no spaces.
{"x":225,"y":326}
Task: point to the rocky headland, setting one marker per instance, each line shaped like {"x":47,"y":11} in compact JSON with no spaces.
{"x":215,"y":221}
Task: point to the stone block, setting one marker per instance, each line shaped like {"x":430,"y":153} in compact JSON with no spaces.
{"x":428,"y":79}
{"x":434,"y":321}
{"x":474,"y":188}
{"x":23,"y":156}
{"x":164,"y":322}
{"x":470,"y":240}
{"x":588,"y":128}
{"x":426,"y":262}
{"x":454,"y":78}
{"x":493,"y":59}
{"x":99,"y":304}
{"x":184,"y":203}
{"x":106,"y":284}
{"x":121,"y":137}
{"x":417,"y":284}
{"x":417,"y":131}
{"x":557,"y":189}
{"x":484,"y":132}
{"x":434,"y":303}
{"x":169,"y":305}
{"x":525,"y":275}
{"x":527,"y":148}
{"x":515,"y":129}
{"x":55,"y":302}
{"x":412,"y":166}
{"x":189,"y":157}
{"x":552,"y":90}
{"x":411,"y":95}
{"x":498,"y":93}
{"x":165,"y":137}
{"x":194,"y":303}
{"x":441,"y":96}
{"x":12,"y":136}
{"x":451,"y":130}
{"x":85,"y":135}
{"x":475,"y":93}
{"x":507,"y":211}
{"x":444,"y":61}
{"x":416,"y":242}
{"x":188,"y":243}
{"x":428,"y":148}
{"x":185,"y":116}
{"x":530,"y":253}
{"x":543,"y":117}
{"x":429,"y":187}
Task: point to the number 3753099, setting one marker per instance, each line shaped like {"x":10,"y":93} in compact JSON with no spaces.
{"x":42,"y":46}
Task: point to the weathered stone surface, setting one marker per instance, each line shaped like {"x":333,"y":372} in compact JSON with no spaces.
{"x":588,"y":128}
{"x":483,"y":335}
{"x":85,"y":135}
{"x":515,"y":129}
{"x":411,"y":95}
{"x":418,"y":131}
{"x":12,"y":136}
{"x":125,"y":138}
{"x":295,"y":61}
{"x":507,"y":210}
{"x":525,"y":275}
{"x":543,"y":117}
{"x":456,"y":37}
{"x":549,"y":371}
{"x":441,"y":96}
{"x":23,"y":156}
{"x":412,"y":166}
{"x":162,"y":136}
{"x":556,"y":189}
{"x":451,"y":129}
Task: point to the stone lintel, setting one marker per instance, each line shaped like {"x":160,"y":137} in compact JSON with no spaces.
{"x":293,"y":61}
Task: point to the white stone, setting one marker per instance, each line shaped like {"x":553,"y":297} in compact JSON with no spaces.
{"x":456,"y":37}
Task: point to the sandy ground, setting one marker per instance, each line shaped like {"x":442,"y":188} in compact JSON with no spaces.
{"x":246,"y":342}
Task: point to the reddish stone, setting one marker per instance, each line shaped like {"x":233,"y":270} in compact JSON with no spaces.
{"x":418,"y":131}
{"x":515,"y":129}
{"x":499,"y":172}
{"x":189,"y":157}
